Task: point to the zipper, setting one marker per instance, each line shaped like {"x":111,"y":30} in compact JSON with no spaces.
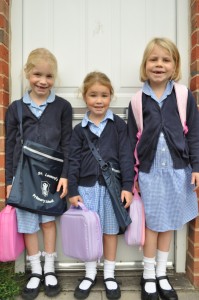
{"x":42,"y":154}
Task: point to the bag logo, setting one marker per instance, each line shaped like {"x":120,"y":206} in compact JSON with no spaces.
{"x":45,"y":188}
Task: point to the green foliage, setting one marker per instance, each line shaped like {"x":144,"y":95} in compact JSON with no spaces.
{"x":11,"y":283}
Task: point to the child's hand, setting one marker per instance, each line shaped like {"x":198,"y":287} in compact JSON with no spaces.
{"x":74,"y":200}
{"x":62,"y":186}
{"x":128,"y":197}
{"x":195,"y":180}
{"x":8,"y":189}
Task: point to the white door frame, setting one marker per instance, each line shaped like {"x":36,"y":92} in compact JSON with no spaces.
{"x":182,"y":22}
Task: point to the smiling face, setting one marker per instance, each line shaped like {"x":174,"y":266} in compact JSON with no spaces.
{"x":41,"y":81}
{"x":160,"y":66}
{"x":97,"y":98}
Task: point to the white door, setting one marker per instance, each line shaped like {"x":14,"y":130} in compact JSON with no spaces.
{"x":105,"y":35}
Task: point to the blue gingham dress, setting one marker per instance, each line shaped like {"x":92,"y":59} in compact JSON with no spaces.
{"x":96,"y":198}
{"x":167,"y":193}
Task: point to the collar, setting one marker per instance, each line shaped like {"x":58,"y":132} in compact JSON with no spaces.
{"x":86,"y":120}
{"x":27,"y":99}
{"x":148,"y":90}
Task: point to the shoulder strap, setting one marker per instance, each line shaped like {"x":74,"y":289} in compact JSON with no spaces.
{"x":136,"y":104}
{"x":19,"y":112}
{"x":94,"y":151}
{"x":182,"y":96}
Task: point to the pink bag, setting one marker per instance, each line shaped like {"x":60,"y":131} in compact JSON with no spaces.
{"x":81,"y":234}
{"x":135,"y":232}
{"x":11,"y":242}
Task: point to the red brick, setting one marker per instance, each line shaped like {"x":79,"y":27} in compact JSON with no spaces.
{"x":4,"y":53}
{"x":194,"y":278}
{"x":4,"y":98}
{"x":193,"y":249}
{"x":194,"y":53}
{"x":193,"y":234}
{"x":2,"y":144}
{"x":2,"y":161}
{"x":2,"y":176}
{"x":4,"y":83}
{"x":193,"y":263}
{"x":2,"y":192}
{"x":2,"y":204}
{"x":4,"y":68}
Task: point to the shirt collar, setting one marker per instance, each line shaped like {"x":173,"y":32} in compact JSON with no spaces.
{"x":148,"y":90}
{"x":86,"y":120}
{"x":27,"y":99}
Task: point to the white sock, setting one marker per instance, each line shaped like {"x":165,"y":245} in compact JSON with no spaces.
{"x":49,"y":267}
{"x":149,"y":273}
{"x":91,"y":271}
{"x":161,"y":264}
{"x":35,"y":264}
{"x":109,"y":269}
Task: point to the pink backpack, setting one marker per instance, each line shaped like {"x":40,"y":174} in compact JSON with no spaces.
{"x":11,"y":241}
{"x":135,"y":233}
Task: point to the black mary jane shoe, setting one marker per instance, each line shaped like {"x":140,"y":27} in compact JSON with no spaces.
{"x":83,"y":294}
{"x":30,"y":294}
{"x":51,"y":290}
{"x":144,"y":294}
{"x":112,"y":294}
{"x":166,"y":294}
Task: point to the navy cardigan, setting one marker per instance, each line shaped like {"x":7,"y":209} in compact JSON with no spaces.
{"x":184,"y":150}
{"x":113,"y":145}
{"x":53,"y":129}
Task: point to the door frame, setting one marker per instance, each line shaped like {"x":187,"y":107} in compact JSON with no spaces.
{"x":16,"y":92}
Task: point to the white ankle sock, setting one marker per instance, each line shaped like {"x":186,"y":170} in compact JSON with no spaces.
{"x":161,"y":265}
{"x":49,"y":267}
{"x":91,"y":271}
{"x":35,"y":264}
{"x":149,"y":273}
{"x":109,"y":268}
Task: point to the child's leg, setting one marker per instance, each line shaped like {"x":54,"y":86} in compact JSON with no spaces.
{"x":110,"y":248}
{"x":149,"y":249}
{"x":164,"y":241}
{"x":51,"y":287}
{"x":31,"y":242}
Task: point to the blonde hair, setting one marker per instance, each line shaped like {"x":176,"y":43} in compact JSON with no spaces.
{"x":93,"y":78}
{"x":168,"y":45}
{"x":38,"y":55}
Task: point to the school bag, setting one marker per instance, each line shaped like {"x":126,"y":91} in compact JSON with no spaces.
{"x":135,"y":233}
{"x":11,"y":241}
{"x":81,"y":233}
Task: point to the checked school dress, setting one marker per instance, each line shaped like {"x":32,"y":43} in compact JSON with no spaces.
{"x":167,"y":193}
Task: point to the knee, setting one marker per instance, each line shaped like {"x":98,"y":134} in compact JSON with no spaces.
{"x":48,"y":225}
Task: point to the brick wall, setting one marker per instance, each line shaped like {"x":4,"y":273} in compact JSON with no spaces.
{"x":4,"y":87}
{"x":193,"y":233}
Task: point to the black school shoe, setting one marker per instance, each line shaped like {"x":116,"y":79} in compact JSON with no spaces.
{"x":51,"y":290}
{"x":30,"y":294}
{"x":144,"y":294}
{"x":83,"y":294}
{"x":166,"y":294}
{"x":112,"y":294}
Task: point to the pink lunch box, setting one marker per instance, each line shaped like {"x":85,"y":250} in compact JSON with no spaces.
{"x":11,"y":242}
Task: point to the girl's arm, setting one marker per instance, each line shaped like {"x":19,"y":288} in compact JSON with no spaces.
{"x":195,"y":180}
{"x":63,"y":187}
